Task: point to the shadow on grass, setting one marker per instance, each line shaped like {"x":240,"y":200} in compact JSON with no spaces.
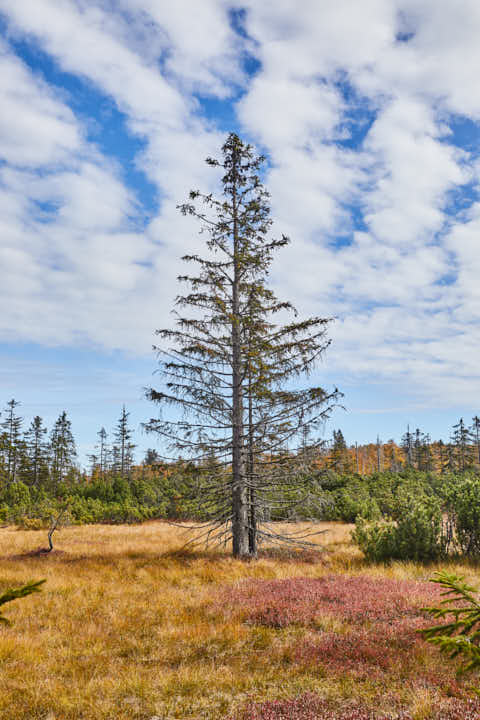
{"x":293,"y":555}
{"x":38,"y":553}
{"x":182,"y":557}
{"x":338,"y":559}
{"x":278,"y":554}
{"x":186,"y":555}
{"x":68,"y":557}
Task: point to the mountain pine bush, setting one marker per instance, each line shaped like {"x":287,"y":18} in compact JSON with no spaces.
{"x":418,"y":534}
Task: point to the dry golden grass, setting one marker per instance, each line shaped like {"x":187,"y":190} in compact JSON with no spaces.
{"x":124,"y":627}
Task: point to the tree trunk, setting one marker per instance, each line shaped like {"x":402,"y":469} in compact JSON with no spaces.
{"x":239,"y":490}
{"x":252,"y":525}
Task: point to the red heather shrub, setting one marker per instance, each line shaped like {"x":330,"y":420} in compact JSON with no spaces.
{"x":278,"y":603}
{"x":311,"y":707}
{"x":363,"y":649}
{"x":306,"y":707}
{"x":460,"y":710}
{"x":375,"y":648}
{"x":355,"y":651}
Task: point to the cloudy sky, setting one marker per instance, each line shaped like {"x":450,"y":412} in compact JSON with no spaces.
{"x":369,"y":114}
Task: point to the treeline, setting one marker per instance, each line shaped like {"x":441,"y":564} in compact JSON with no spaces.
{"x":40,"y":458}
{"x":416,"y":450}
{"x":43,"y":459}
{"x":39,"y":474}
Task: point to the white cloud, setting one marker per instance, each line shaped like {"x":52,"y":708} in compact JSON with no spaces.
{"x":416,"y":170}
{"x":79,"y":267}
{"x":64,"y":217}
{"x":35,"y":127}
{"x":319,"y":39}
{"x":401,"y":176}
{"x":201,"y":51}
{"x":80,"y":37}
{"x":99,"y":281}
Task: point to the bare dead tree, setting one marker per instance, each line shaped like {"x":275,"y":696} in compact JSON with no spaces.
{"x":231,"y":371}
{"x":54,"y":525}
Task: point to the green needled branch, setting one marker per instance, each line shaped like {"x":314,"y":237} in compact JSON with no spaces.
{"x":460,"y":636}
{"x":14,"y":594}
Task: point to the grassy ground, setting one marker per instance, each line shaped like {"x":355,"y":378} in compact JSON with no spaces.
{"x":129,"y":626}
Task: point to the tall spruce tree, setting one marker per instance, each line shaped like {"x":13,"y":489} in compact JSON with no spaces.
{"x":408,"y":446}
{"x":36,"y":452}
{"x":12,"y":440}
{"x":152,"y":457}
{"x":421,"y":450}
{"x":475,"y":432}
{"x":124,"y":445}
{"x":103,"y":451}
{"x":94,"y":465}
{"x":280,"y":453}
{"x":63,"y":452}
{"x":461,"y":438}
{"x":115,"y":463}
{"x":230,"y":370}
{"x":339,"y":460}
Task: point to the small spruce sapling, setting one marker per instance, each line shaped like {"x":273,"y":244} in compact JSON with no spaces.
{"x":460,"y":636}
{"x":15,"y":593}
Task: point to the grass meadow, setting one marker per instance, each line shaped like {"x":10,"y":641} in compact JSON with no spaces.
{"x":130,"y":625}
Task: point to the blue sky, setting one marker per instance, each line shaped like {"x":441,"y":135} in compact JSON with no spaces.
{"x":369,"y":114}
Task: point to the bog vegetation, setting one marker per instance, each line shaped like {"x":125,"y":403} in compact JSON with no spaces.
{"x":129,"y":625}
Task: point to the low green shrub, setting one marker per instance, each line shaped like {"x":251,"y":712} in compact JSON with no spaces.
{"x":418,"y":533}
{"x":29,"y":523}
{"x":351,"y":502}
{"x":464,"y":512}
